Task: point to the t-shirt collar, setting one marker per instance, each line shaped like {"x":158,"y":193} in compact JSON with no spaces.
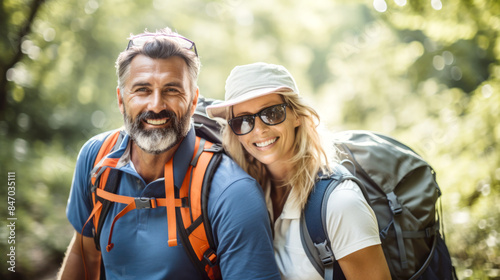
{"x":182,"y":156}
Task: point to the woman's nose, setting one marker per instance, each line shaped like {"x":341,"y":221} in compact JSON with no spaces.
{"x":259,"y":125}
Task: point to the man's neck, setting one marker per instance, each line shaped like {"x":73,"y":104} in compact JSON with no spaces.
{"x":150,"y":166}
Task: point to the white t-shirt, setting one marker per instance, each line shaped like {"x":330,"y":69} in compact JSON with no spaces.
{"x":351,"y":223}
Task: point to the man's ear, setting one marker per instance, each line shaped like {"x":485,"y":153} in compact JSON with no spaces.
{"x":120,"y":100}
{"x":195,"y":100}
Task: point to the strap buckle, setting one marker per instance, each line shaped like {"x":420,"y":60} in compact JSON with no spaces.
{"x":210,"y":257}
{"x":325,"y":254}
{"x":396,"y":207}
{"x":145,"y":202}
{"x":93,"y":187}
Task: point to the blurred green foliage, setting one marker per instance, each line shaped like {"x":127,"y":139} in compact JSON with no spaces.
{"x":426,"y":72}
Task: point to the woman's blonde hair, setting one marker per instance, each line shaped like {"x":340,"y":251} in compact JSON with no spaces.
{"x":309,"y":156}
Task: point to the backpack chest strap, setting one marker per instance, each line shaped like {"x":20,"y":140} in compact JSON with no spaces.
{"x":140,"y":202}
{"x":134,"y":203}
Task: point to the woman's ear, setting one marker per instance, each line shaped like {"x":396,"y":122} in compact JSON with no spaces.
{"x":297,"y":120}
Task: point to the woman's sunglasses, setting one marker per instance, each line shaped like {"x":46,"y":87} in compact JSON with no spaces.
{"x":272,"y":115}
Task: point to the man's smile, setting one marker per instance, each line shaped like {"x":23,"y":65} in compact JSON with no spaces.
{"x":156,"y":121}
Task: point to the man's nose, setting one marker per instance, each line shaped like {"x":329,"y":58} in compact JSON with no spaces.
{"x":157,"y":102}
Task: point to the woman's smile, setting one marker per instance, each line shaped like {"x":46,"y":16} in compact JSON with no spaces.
{"x":266,"y":143}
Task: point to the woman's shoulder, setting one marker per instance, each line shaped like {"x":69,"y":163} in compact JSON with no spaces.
{"x":347,"y":196}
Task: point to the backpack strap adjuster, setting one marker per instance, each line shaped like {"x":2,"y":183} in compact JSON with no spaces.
{"x":210,"y":257}
{"x":145,"y":202}
{"x":185,"y":202}
{"x":325,"y":254}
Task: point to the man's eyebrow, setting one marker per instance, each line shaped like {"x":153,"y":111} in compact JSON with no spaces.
{"x":172,"y":84}
{"x":147,"y":84}
{"x":141,"y":84}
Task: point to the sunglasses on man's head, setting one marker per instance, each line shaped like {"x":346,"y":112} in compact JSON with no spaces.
{"x":141,"y":39}
{"x":272,"y":115}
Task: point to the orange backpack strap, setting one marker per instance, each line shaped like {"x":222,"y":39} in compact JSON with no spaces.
{"x":99,"y":177}
{"x":194,"y":228}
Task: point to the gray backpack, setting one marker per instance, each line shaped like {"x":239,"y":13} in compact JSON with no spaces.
{"x":402,"y":190}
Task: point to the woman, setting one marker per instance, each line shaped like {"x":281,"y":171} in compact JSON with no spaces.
{"x":271,"y":133}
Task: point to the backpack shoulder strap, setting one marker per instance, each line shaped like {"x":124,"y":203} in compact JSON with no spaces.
{"x":194,"y":226}
{"x":107,"y":180}
{"x":111,"y":143}
{"x":313,"y":229}
{"x":313,"y":236}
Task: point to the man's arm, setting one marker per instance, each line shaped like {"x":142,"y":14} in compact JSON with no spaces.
{"x":78,"y":211}
{"x":73,"y":267}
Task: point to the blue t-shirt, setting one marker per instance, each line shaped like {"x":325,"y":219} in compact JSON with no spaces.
{"x":236,"y":211}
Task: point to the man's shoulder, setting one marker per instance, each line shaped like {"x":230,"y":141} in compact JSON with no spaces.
{"x":229,"y":172}
{"x":101,"y":137}
{"x":229,"y":177}
{"x":98,"y":139}
{"x":90,"y":149}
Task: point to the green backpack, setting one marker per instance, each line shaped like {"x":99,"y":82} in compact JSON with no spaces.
{"x":401,"y":189}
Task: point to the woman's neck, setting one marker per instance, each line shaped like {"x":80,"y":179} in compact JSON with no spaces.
{"x":279,"y":196}
{"x":280,"y":173}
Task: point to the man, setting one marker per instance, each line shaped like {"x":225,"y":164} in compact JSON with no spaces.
{"x":157,"y":95}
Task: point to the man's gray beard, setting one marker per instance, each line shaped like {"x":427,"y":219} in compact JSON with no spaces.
{"x":157,"y":140}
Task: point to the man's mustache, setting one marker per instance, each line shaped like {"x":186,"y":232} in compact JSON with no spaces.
{"x":152,"y":115}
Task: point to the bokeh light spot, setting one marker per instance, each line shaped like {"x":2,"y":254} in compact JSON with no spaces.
{"x":380,"y":5}
{"x":436,"y":4}
{"x":438,"y":62}
{"x":487,"y":91}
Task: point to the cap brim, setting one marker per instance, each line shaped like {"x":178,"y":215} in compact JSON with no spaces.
{"x":219,"y":110}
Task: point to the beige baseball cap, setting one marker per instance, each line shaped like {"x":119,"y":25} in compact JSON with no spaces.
{"x":250,"y":81}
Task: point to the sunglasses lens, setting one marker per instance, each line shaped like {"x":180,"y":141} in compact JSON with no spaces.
{"x":242,"y":125}
{"x":143,"y":39}
{"x":140,"y":41}
{"x":273,"y":115}
{"x":183,"y":42}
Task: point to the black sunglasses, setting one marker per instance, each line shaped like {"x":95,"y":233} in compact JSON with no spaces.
{"x":272,"y":115}
{"x":141,"y":39}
